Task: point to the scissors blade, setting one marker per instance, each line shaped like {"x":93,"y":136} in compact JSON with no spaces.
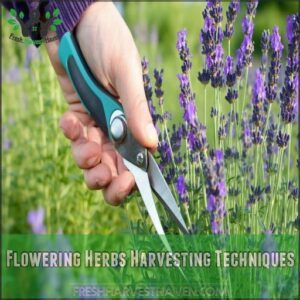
{"x":142,"y":182}
{"x":162,"y":191}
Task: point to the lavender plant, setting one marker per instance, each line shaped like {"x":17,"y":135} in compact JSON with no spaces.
{"x":242,"y":181}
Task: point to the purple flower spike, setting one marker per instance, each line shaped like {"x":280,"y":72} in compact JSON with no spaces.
{"x":228,"y":68}
{"x":181,"y":189}
{"x":251,"y":7}
{"x":274,"y":71}
{"x":233,"y":10}
{"x":190,"y":114}
{"x":215,"y":189}
{"x":258,"y":100}
{"x":289,"y":93}
{"x":276,"y":40}
{"x":247,"y":26}
{"x":211,"y":203}
{"x":184,"y":51}
{"x":35,"y":218}
{"x":293,"y":28}
{"x":259,"y":93}
{"x":219,"y":155}
{"x":181,"y":40}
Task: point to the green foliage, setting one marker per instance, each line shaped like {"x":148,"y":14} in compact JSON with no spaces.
{"x":48,"y":15}
{"x":13,"y":12}
{"x":21,"y":15}
{"x":56,"y":12}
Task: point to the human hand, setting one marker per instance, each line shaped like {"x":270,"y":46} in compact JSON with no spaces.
{"x":111,"y":54}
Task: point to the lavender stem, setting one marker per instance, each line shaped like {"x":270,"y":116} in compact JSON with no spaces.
{"x":245,"y":88}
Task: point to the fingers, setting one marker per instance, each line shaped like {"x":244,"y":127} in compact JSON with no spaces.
{"x":71,"y":126}
{"x":129,"y":84}
{"x":119,"y":188}
{"x":98,"y":177}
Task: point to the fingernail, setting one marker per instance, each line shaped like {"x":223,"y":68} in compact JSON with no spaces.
{"x":152,"y":133}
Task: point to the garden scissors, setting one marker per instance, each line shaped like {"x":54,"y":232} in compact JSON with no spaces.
{"x":109,"y":116}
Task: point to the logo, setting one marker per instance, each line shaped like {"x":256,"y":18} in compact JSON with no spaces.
{"x":34,"y":27}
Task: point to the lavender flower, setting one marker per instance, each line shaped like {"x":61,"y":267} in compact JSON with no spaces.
{"x":282,"y":139}
{"x":265,"y":45}
{"x":265,"y":41}
{"x":215,"y":189}
{"x":197,"y":138}
{"x":204,"y":76}
{"x":251,"y":7}
{"x":158,"y":75}
{"x":257,"y":195}
{"x":276,"y":40}
{"x":148,"y":92}
{"x":289,"y":93}
{"x":247,"y":26}
{"x":184,"y":51}
{"x":187,"y":101}
{"x":229,"y":72}
{"x":258,"y":98}
{"x":244,"y":53}
{"x":214,"y":63}
{"x":232,"y":95}
{"x":246,"y":135}
{"x":211,"y":37}
{"x":214,"y":8}
{"x":273,"y":75}
{"x":181,"y":189}
{"x":35,"y":218}
{"x":233,"y":10}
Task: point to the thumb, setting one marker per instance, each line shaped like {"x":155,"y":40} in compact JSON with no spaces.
{"x":129,"y":85}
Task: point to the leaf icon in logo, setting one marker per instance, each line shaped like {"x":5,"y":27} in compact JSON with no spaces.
{"x":57,"y":21}
{"x":56,"y":12}
{"x":13,"y":12}
{"x":53,"y":27}
{"x":47,"y":15}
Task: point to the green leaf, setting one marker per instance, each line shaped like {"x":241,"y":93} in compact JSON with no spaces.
{"x":56,"y":12}
{"x":12,"y":21}
{"x":16,"y":27}
{"x":21,"y":15}
{"x":57,"y":21}
{"x":48,"y":15}
{"x":53,"y":27}
{"x":13,"y":12}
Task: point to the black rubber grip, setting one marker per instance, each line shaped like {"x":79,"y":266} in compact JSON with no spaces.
{"x":91,"y":102}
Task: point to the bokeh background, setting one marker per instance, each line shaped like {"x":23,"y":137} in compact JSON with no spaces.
{"x":37,"y":166}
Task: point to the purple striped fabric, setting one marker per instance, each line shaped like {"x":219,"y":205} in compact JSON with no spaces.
{"x":70,"y":13}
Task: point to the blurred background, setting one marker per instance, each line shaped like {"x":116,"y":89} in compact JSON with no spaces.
{"x":37,"y":166}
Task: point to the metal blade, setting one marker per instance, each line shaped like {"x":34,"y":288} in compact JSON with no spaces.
{"x":162,"y":191}
{"x":142,"y":182}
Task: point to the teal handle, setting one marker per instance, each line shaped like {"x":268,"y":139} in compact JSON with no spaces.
{"x":100,"y":104}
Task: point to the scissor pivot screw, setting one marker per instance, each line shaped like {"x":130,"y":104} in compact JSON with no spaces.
{"x":140,"y":159}
{"x":118,"y":129}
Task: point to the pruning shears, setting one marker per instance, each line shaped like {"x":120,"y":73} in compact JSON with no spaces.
{"x":109,"y":115}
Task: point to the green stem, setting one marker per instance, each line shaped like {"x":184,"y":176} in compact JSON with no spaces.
{"x":205,"y":97}
{"x":215,"y":120}
{"x":245,"y":89}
